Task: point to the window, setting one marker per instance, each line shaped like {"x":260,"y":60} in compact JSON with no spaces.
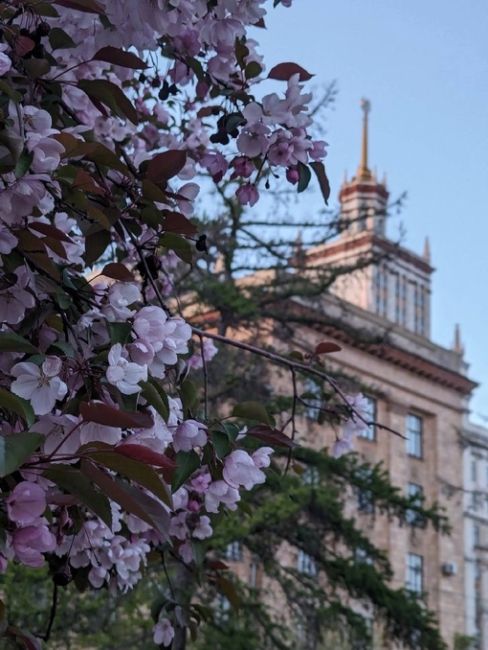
{"x":253,"y":574}
{"x":306,"y":564}
{"x":365,"y":501}
{"x":396,"y":279}
{"x":370,"y":411}
{"x":361,"y":556}
{"x":414,"y":579}
{"x":312,"y":398}
{"x":311,"y":475}
{"x":222,"y":607}
{"x":381,"y":291}
{"x":474,"y":473}
{"x":476,"y":535}
{"x":403,"y":301}
{"x":414,"y":435}
{"x":419,"y":311}
{"x":416,"y":493}
{"x":233,"y":552}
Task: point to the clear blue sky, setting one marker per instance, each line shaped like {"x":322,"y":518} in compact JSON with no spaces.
{"x":424,"y":66}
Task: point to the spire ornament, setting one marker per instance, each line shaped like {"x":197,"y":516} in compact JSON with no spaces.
{"x":364,"y":173}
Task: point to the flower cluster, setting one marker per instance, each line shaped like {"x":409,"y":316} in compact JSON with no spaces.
{"x":112,"y":111}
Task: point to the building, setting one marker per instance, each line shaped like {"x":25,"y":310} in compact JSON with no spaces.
{"x":475,"y":441}
{"x":414,"y":386}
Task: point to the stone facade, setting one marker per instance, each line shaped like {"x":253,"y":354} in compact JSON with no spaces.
{"x":475,"y":442}
{"x":416,"y":388}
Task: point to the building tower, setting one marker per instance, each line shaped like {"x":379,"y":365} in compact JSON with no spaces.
{"x":395,"y":282}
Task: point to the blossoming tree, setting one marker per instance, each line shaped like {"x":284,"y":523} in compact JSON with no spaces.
{"x":108,"y":113}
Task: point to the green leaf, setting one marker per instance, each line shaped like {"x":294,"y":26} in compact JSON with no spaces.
{"x":119,"y":332}
{"x":21,"y":407}
{"x":59,"y":39}
{"x":221,"y":443}
{"x":251,"y":411}
{"x":177,"y":244}
{"x":187,"y":462}
{"x":6,"y":88}
{"x":253,"y":69}
{"x":134,"y":470}
{"x":23,"y":164}
{"x":16,"y":448}
{"x":11,"y":342}
{"x":156,"y":397}
{"x":73,"y":482}
{"x":304,"y":177}
{"x":88,"y":6}
{"x":189,"y":395}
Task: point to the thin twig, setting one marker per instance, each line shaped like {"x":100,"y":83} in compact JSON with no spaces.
{"x":205,"y":378}
{"x":52,"y":613}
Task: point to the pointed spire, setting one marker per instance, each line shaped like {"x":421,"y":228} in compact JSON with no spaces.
{"x":458,"y":344}
{"x":426,"y":253}
{"x":364,"y":172}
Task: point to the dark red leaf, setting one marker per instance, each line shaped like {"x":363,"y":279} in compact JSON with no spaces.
{"x":117,"y":271}
{"x":145,"y":455}
{"x":319,"y":170}
{"x":23,"y":45}
{"x":166,"y":165}
{"x":89,"y":6}
{"x":271,"y":436}
{"x":217,"y":565}
{"x":178,"y":223}
{"x":117,"y":56}
{"x":112,"y":417}
{"x":327,"y":346}
{"x":283,"y":72}
{"x":132,"y":499}
{"x":50,"y":231}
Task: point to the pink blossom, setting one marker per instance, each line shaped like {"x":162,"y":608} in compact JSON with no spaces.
{"x":94,"y":432}
{"x":26,"y":503}
{"x":178,"y":527}
{"x":7,"y":240}
{"x":201,"y":482}
{"x":186,"y":552}
{"x":240,"y":469}
{"x":215,"y":163}
{"x":341,"y":447}
{"x":221,"y":492}
{"x":189,"y":434}
{"x":141,"y":352}
{"x":292,"y":175}
{"x":41,"y":386}
{"x":121,"y":296}
{"x":253,"y":142}
{"x":208,"y":351}
{"x":203,"y":529}
{"x":124,"y":374}
{"x":243,"y":166}
{"x":30,"y":542}
{"x":317,"y":152}
{"x":163,"y":632}
{"x":261,"y":457}
{"x":247,"y":194}
{"x":149,"y":324}
{"x":15,"y":300}
{"x":5,"y":61}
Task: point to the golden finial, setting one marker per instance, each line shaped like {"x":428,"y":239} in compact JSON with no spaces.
{"x":364,"y":172}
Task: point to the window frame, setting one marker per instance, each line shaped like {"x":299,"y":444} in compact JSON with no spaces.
{"x":369,"y":433}
{"x":306,"y":564}
{"x":414,"y":573}
{"x":414,"y":448}
{"x":411,"y":517}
